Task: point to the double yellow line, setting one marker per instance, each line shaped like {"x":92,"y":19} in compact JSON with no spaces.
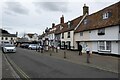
{"x":9,"y":61}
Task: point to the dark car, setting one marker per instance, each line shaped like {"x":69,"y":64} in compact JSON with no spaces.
{"x":24,"y":45}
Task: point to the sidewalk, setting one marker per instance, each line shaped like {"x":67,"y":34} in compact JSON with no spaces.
{"x":6,"y":71}
{"x":0,"y":65}
{"x":107,"y":63}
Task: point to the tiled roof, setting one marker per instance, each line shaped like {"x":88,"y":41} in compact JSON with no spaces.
{"x":95,"y":20}
{"x":73,"y":24}
{"x":9,"y":35}
{"x":30,"y":35}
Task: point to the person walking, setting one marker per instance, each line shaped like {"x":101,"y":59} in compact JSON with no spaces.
{"x":80,"y":50}
{"x":88,"y":53}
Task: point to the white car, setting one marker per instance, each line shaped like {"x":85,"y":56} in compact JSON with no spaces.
{"x":33,"y":46}
{"x":9,"y":48}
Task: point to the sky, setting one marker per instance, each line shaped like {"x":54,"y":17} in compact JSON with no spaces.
{"x":33,"y":16}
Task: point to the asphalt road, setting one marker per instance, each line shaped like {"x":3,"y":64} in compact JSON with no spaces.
{"x":34,"y":64}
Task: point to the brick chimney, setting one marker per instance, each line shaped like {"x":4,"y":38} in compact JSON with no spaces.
{"x":62,"y":19}
{"x":16,"y":33}
{"x":85,"y":9}
{"x":53,"y":25}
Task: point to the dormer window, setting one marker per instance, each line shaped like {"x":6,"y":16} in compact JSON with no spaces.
{"x":61,"y":27}
{"x":69,"y":24}
{"x":85,"y":21}
{"x":107,"y":15}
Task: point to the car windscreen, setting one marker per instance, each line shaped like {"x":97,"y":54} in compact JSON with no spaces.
{"x":9,"y":45}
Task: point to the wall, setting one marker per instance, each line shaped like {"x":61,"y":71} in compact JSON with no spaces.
{"x":71,"y":39}
{"x":111,"y":33}
{"x":85,"y":37}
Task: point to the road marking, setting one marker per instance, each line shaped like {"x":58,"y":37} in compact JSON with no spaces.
{"x":17,"y":76}
{"x":17,"y":68}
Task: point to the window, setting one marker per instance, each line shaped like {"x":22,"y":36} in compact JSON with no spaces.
{"x":119,"y":28}
{"x":62,"y":35}
{"x":6,"y":38}
{"x":104,"y":45}
{"x":107,"y":15}
{"x":85,"y":21}
{"x":108,"y":45}
{"x":101,"y":31}
{"x":2,"y":38}
{"x":69,"y":24}
{"x":11,"y":38}
{"x":68,"y":34}
{"x":81,"y":33}
{"x":101,"y":45}
{"x":61,"y":27}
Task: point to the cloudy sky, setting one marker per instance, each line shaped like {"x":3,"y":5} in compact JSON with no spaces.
{"x":33,"y":16}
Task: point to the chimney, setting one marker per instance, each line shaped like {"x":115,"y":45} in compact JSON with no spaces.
{"x":53,"y":25}
{"x":62,"y":19}
{"x":85,"y":9}
{"x":16,"y":33}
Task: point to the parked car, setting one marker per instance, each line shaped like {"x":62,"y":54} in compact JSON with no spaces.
{"x":8,"y":48}
{"x":33,"y":46}
{"x":24,"y":45}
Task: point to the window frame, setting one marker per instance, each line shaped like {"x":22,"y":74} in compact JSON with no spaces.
{"x":105,"y":44}
{"x":69,"y":24}
{"x":6,"y":38}
{"x":62,"y":35}
{"x":101,"y":31}
{"x":68,"y":34}
{"x":81,"y":33}
{"x":2,"y":38}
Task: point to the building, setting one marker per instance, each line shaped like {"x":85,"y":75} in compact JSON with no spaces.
{"x":31,"y":37}
{"x":101,"y":31}
{"x":6,"y":37}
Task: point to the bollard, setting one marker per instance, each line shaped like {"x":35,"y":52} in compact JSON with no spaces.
{"x":56,"y":50}
{"x":50,"y":54}
{"x":64,"y":54}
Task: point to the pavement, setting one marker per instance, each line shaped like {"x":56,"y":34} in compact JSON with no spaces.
{"x":0,"y":65}
{"x":103,"y":62}
{"x":6,"y":70}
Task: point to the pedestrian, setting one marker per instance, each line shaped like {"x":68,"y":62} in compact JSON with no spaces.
{"x":88,"y":53}
{"x":41,"y":48}
{"x":80,"y":50}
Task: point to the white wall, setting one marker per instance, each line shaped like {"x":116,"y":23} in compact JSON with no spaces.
{"x":8,"y":40}
{"x":85,"y":37}
{"x":114,"y":47}
{"x":71,"y":39}
{"x":111,"y":33}
{"x":91,"y":37}
{"x":95,"y":46}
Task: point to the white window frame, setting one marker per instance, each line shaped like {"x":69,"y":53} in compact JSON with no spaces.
{"x":69,"y":24}
{"x":81,"y":33}
{"x":104,"y":45}
{"x":106,"y":15}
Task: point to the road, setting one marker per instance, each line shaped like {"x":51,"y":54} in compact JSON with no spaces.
{"x":32,"y":64}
